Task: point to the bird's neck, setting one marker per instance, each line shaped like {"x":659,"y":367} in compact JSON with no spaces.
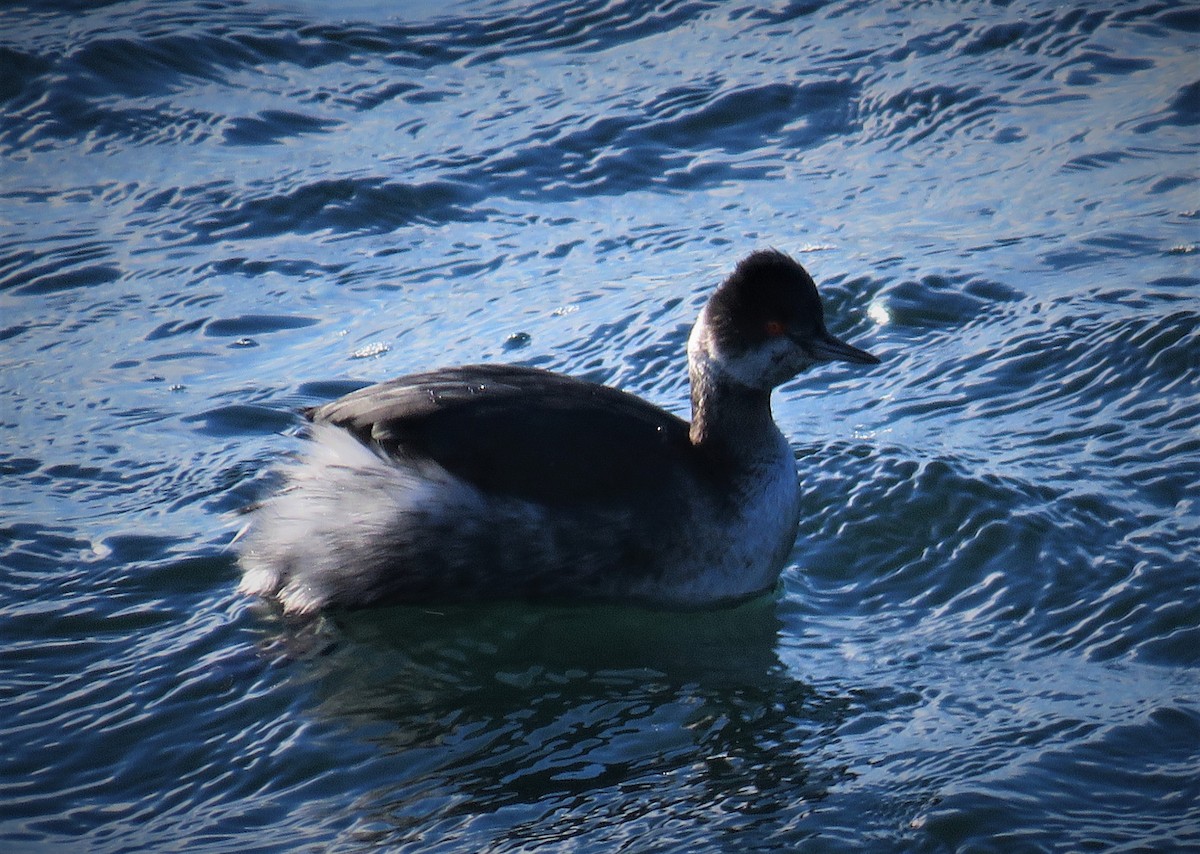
{"x":730,"y":419}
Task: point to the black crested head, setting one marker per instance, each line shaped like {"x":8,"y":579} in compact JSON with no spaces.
{"x":768,"y":294}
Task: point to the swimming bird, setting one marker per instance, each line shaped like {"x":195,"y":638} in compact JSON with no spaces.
{"x":492,"y":482}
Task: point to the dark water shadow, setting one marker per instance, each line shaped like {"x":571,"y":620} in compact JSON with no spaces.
{"x":602,"y":717}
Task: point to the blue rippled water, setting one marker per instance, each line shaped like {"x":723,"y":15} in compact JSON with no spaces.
{"x":215,"y":213}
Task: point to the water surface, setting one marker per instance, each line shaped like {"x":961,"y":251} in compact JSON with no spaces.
{"x":986,"y":638}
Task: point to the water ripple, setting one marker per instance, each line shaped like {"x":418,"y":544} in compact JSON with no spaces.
{"x":217,"y":213}
{"x":343,"y":206}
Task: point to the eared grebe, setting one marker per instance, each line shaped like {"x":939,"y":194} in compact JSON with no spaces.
{"x":502,"y":482}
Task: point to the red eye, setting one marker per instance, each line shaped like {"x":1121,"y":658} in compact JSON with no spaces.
{"x":773,"y":328}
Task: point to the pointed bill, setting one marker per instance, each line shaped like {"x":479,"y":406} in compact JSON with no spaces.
{"x":829,"y":349}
